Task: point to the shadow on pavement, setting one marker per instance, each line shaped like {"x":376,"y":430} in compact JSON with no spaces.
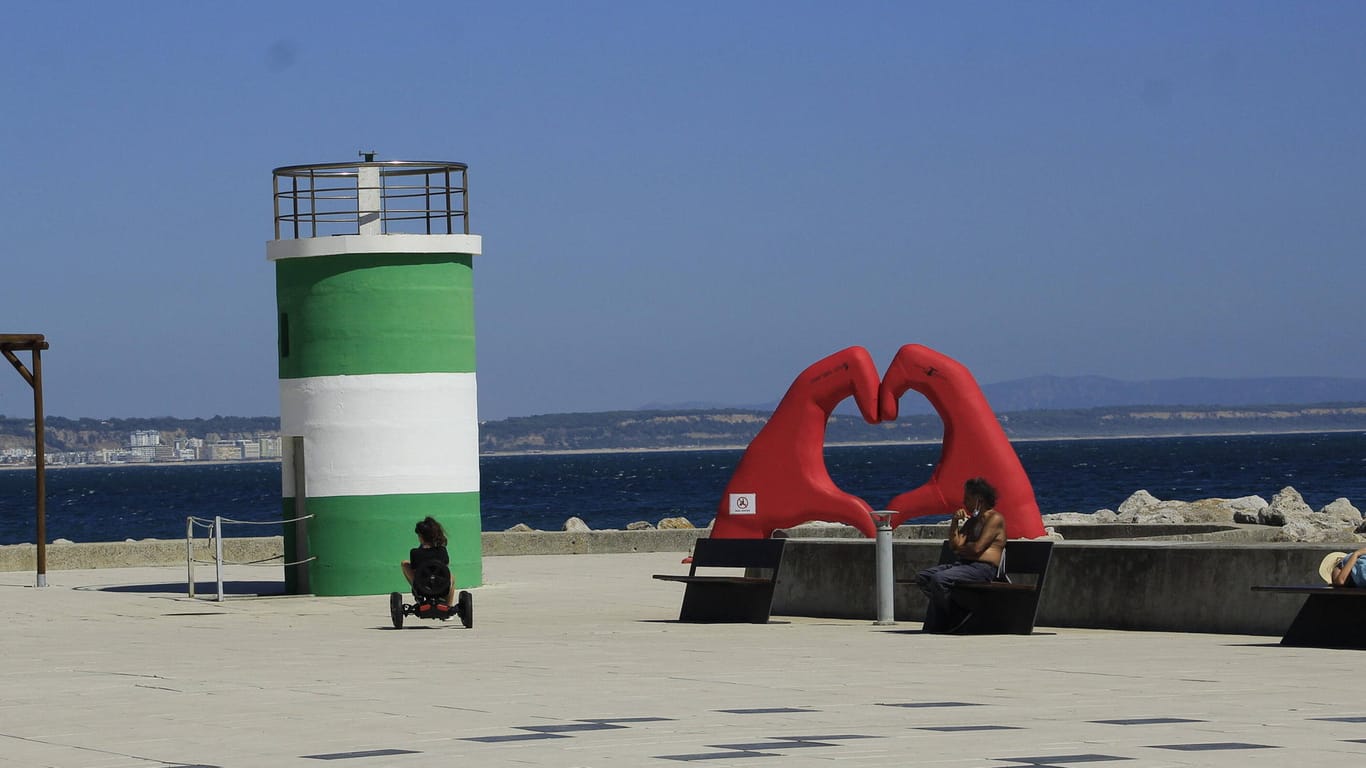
{"x":201,"y":588}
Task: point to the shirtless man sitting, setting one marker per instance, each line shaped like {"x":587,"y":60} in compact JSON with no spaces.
{"x":977,"y":535}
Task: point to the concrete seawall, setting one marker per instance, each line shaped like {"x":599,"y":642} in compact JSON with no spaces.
{"x":1177,"y":586}
{"x":152,"y":552}
{"x":64,"y":556}
{"x":1193,"y":579}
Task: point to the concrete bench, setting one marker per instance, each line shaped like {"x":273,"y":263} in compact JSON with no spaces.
{"x":1010,"y":603}
{"x":732,"y":597}
{"x":1331,"y":617}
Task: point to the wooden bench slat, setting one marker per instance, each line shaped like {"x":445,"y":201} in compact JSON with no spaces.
{"x":733,"y":598}
{"x":1311,"y":589}
{"x":1331,"y":617}
{"x":755,"y":580}
{"x":1003,"y":606}
{"x":983,"y":585}
{"x":991,"y":586}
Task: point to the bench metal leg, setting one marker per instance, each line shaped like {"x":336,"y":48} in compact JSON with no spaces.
{"x":998,"y":614}
{"x":1329,"y":622}
{"x":727,"y":603}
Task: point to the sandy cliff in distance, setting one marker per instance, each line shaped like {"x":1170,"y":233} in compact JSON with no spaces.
{"x":640,"y":430}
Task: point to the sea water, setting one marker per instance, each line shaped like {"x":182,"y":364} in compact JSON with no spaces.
{"x":611,"y":490}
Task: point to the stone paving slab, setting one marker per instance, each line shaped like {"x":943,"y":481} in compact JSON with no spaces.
{"x":576,"y":660}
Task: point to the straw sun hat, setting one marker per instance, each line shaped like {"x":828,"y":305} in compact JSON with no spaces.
{"x":1330,"y":561}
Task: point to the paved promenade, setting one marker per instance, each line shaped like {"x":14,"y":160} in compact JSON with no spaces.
{"x":576,"y":660}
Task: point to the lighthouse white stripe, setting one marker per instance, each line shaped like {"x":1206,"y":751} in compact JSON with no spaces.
{"x":307,"y":247}
{"x":381,"y":434}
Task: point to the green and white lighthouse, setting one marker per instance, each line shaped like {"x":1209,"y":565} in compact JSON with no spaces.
{"x":378,"y":413}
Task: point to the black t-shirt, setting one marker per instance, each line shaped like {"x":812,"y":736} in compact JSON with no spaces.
{"x":431,"y":571}
{"x":420,"y":555}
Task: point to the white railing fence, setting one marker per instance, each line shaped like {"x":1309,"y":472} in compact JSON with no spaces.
{"x":215,"y":529}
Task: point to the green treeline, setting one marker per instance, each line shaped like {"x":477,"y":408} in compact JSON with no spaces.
{"x":86,"y":434}
{"x":729,"y":428}
{"x":724,"y":428}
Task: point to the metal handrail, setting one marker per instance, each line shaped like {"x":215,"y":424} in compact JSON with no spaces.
{"x":215,"y":526}
{"x":325,"y":199}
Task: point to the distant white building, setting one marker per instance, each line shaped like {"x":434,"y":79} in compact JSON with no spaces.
{"x":189,"y":449}
{"x":222,"y":451}
{"x":270,"y":446}
{"x":143,"y":444}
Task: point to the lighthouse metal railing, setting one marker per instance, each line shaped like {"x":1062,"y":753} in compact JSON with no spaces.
{"x":215,"y":528}
{"x":383,"y":197}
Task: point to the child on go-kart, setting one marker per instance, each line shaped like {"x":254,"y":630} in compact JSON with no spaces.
{"x":432,"y":546}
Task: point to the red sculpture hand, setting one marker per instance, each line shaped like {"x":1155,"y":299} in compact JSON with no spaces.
{"x":781,"y":480}
{"x":974,"y":443}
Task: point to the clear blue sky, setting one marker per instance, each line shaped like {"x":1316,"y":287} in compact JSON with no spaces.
{"x":694,"y":201}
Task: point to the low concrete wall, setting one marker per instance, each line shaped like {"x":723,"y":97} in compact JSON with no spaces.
{"x":69,"y":556}
{"x":63,"y":556}
{"x":1139,"y":585}
{"x":1179,"y":587}
{"x":1069,"y":532}
{"x":590,"y":542}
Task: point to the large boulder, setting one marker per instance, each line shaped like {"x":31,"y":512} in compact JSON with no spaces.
{"x":1308,"y":529}
{"x":1143,"y":507}
{"x":1140,"y":502}
{"x":1068,"y":518}
{"x":576,"y":525}
{"x":1222,"y":510}
{"x":1336,"y":522}
{"x":675,"y":523}
{"x":1285,"y":506}
{"x":1342,"y":510}
{"x":1246,"y":509}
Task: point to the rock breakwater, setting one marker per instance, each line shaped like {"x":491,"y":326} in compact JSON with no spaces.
{"x":1286,"y":518}
{"x":1287,"y":513}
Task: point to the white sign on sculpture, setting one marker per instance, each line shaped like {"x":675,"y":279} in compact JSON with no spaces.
{"x":742,"y":504}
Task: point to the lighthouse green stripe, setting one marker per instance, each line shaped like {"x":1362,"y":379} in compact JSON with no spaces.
{"x":375,"y":313}
{"x":360,"y":540}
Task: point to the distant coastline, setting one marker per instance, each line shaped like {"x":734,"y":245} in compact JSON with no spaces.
{"x":131,"y":464}
{"x":729,"y":429}
{"x":728,"y":447}
{"x":875,"y":443}
{"x":113,"y":443}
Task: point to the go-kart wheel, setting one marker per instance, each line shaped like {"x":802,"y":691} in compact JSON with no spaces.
{"x":465,"y":607}
{"x":396,"y":609}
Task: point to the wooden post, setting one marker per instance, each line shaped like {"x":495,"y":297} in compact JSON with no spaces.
{"x":34,"y":343}
{"x":40,"y":465}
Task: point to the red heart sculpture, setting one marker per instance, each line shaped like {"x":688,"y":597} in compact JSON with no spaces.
{"x":781,"y":480}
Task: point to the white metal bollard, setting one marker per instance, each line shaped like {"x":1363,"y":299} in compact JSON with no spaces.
{"x":886,"y":607}
{"x":189,"y":554}
{"x":218,"y":553}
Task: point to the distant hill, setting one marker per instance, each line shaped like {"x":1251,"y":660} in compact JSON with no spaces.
{"x":85,"y":434}
{"x":1050,"y":392}
{"x":1065,"y":392}
{"x":729,"y":428}
{"x":1040,"y":407}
